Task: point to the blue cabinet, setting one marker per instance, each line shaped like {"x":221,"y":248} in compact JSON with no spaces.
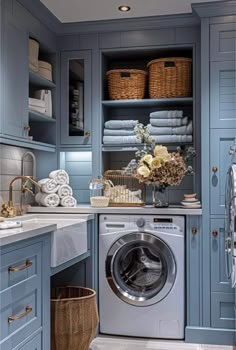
{"x":220,"y":160}
{"x":14,"y":78}
{"x":222,"y":41}
{"x":33,"y":344}
{"x":222,"y":310}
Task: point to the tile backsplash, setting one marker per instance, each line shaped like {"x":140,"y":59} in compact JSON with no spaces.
{"x":10,"y":166}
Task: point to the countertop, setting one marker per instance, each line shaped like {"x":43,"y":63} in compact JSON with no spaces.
{"x":87,"y":209}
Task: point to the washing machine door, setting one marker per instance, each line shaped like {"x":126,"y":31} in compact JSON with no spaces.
{"x":140,"y":268}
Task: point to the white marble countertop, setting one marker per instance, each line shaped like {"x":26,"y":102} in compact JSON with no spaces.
{"x":87,"y":209}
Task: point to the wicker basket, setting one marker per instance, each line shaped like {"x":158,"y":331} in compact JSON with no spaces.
{"x":126,"y":84}
{"x":74,"y":318}
{"x":170,"y":77}
{"x":126,"y":190}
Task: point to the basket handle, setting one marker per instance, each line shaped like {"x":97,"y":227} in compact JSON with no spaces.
{"x":124,"y":74}
{"x":169,"y":64}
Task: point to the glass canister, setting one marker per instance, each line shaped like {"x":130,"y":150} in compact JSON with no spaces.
{"x":96,"y":187}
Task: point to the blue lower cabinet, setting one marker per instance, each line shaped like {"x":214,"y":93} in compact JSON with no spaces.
{"x":222,"y":310}
{"x":33,"y":344}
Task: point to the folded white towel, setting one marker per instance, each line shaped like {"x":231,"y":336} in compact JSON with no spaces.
{"x":172,"y":138}
{"x":119,"y":140}
{"x":37,"y":109}
{"x":166,"y":114}
{"x":179,"y":130}
{"x":64,"y":190}
{"x":118,"y":132}
{"x":169,"y":122}
{"x":121,"y":124}
{"x":68,"y":201}
{"x":47,"y":199}
{"x":37,"y":102}
{"x":48,"y":185}
{"x":60,"y":176}
{"x":46,"y":97}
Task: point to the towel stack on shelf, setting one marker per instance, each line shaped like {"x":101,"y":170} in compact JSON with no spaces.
{"x":118,"y":132}
{"x":170,"y":127}
{"x":41,"y":102}
{"x":55,"y":190}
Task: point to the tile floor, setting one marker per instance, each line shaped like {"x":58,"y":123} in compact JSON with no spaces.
{"x":119,"y":343}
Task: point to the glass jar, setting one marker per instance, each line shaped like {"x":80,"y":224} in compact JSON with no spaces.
{"x":160,"y":196}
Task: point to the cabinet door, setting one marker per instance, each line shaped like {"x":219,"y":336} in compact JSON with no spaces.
{"x":222,"y":310}
{"x":76,"y":98}
{"x":220,"y":160}
{"x":223,"y":43}
{"x":15,"y":77}
{"x":33,"y":344}
{"x":219,"y":281}
{"x":223,"y":94}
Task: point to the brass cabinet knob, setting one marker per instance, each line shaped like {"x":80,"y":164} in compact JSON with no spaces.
{"x":214,"y":169}
{"x":27,"y":128}
{"x":194,"y":230}
{"x":87,"y":134}
{"x":214,"y":233}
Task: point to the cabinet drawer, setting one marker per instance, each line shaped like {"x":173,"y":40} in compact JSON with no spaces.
{"x":20,"y":312}
{"x":222,"y":310}
{"x":20,"y":265}
{"x":33,"y":344}
{"x":223,"y":41}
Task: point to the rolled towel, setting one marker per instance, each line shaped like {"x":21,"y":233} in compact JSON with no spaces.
{"x":47,"y":199}
{"x":48,"y":185}
{"x":169,"y":122}
{"x":179,"y":130}
{"x":118,"y":132}
{"x":64,"y":190}
{"x":121,"y":124}
{"x":118,"y":140}
{"x":68,"y":201}
{"x":172,"y":138}
{"x":166,"y":114}
{"x":60,"y":176}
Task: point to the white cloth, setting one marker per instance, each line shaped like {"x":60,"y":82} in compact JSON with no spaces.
{"x":169,"y":122}
{"x":179,"y":130}
{"x":121,"y":124}
{"x":48,"y":185}
{"x":118,"y":132}
{"x":47,"y":199}
{"x":60,"y":176}
{"x":64,"y":190}
{"x":46,"y":97}
{"x":166,"y":114}
{"x":119,"y":140}
{"x":68,"y":201}
{"x":172,"y":138}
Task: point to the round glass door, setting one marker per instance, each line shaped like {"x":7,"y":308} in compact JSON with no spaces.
{"x":140,"y":269}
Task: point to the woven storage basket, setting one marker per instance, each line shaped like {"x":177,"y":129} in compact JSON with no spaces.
{"x":126,"y":84}
{"x":170,"y":77}
{"x":74,"y":318}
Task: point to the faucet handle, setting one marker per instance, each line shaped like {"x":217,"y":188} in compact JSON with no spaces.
{"x":8,"y":210}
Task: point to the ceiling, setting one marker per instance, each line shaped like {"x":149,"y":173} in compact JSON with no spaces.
{"x":91,"y":10}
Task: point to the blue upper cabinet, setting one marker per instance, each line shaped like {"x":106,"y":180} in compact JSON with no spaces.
{"x":76,"y":98}
{"x":223,"y":94}
{"x":220,"y":141}
{"x":14,"y":78}
{"x":223,"y":42}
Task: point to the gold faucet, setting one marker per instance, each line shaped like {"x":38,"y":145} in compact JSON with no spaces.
{"x":8,"y":210}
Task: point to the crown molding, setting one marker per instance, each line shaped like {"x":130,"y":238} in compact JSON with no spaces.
{"x":215,"y":9}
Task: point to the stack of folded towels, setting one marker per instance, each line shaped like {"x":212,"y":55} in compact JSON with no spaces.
{"x":55,"y":190}
{"x":120,"y":132}
{"x":170,"y":127}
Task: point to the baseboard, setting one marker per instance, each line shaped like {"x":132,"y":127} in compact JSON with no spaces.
{"x":215,"y":336}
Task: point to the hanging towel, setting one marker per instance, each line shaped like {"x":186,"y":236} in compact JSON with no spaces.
{"x":179,"y":130}
{"x":47,"y":199}
{"x":48,"y":185}
{"x":68,"y":201}
{"x":60,"y":176}
{"x":118,"y":140}
{"x":64,"y":190}
{"x":169,"y":122}
{"x":166,"y":114}
{"x":121,"y":124}
{"x":118,"y":132}
{"x":172,"y":138}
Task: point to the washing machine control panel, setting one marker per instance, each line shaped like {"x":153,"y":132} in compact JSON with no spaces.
{"x":140,"y":222}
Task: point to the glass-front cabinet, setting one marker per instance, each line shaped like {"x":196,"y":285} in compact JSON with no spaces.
{"x":76,"y":98}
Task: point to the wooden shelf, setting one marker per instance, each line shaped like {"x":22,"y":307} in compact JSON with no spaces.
{"x":148,"y":102}
{"x":39,"y":117}
{"x":136,"y":147}
{"x":39,"y":81}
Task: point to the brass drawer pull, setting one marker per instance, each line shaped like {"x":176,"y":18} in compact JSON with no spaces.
{"x":214,"y":169}
{"x":28,"y":310}
{"x":194,"y":230}
{"x":27,"y":264}
{"x":215,"y":233}
{"x":87,"y":134}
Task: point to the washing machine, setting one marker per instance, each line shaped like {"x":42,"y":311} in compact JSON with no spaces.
{"x":141,"y":276}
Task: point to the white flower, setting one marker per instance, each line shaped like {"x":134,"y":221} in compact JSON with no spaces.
{"x":143,"y":171}
{"x":161,"y":153}
{"x":147,"y":159}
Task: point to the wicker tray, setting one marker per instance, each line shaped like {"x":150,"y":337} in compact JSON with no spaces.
{"x":126,"y":84}
{"x":170,"y":77}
